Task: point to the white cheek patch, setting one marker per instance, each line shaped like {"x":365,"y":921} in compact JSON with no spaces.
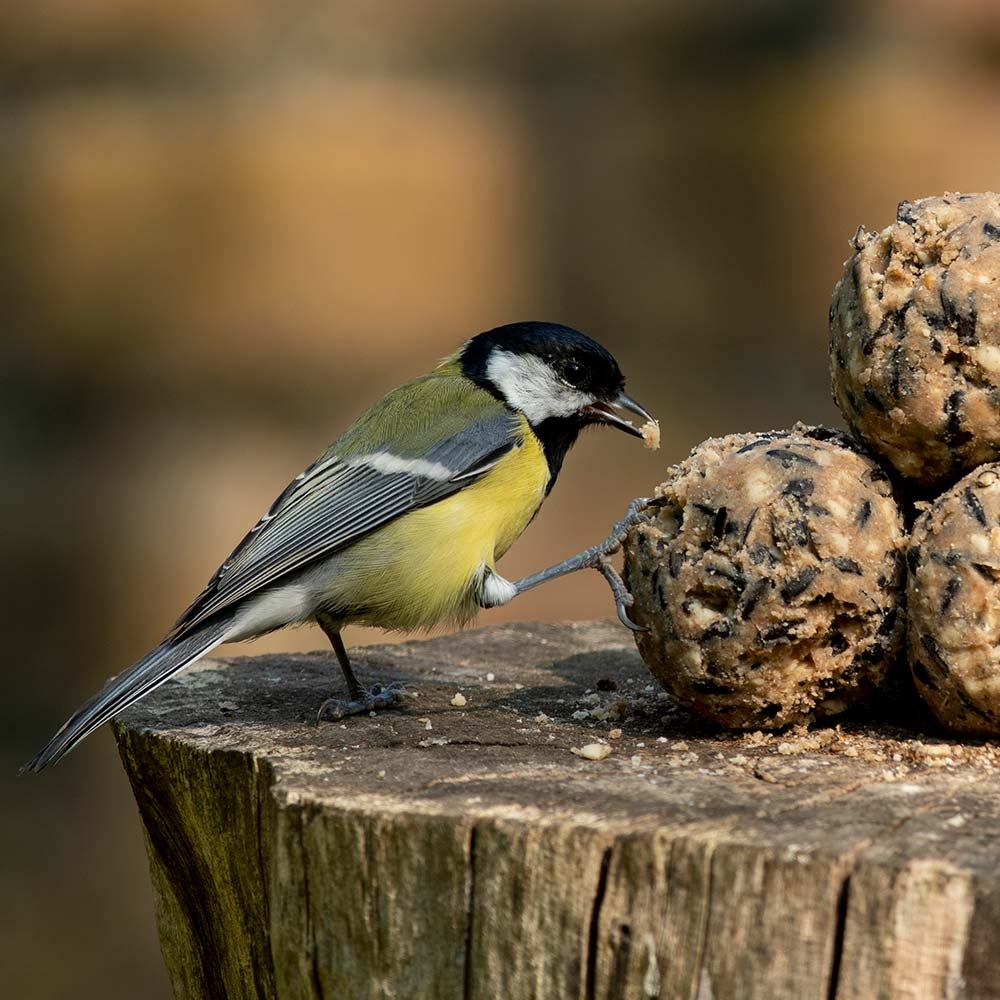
{"x":529,"y":385}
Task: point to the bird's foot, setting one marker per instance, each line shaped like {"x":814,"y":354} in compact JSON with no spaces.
{"x":378,"y":697}
{"x":601,"y":560}
{"x":599,"y":557}
{"x":637,"y":513}
{"x":623,"y":599}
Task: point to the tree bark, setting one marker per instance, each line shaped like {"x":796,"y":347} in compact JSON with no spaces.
{"x":442,"y":850}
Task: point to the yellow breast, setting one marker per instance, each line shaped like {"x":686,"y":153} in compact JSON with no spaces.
{"x":419,"y":570}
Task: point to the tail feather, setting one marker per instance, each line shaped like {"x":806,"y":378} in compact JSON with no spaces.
{"x":129,"y":686}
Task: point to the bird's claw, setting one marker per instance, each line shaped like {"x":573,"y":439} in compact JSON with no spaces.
{"x":380,"y":696}
{"x":635,"y":514}
{"x":623,"y":599}
{"x":597,"y":557}
{"x":625,"y":620}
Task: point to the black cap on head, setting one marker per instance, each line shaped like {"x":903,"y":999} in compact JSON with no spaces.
{"x":582,"y":362}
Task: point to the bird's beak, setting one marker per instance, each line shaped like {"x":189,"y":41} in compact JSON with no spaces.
{"x":604,"y":413}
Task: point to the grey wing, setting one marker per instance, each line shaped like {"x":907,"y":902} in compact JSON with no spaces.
{"x":340,"y":499}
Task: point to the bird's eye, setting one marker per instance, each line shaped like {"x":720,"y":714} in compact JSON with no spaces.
{"x":574,"y":372}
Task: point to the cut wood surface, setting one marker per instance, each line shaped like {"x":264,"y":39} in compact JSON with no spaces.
{"x":445,"y":850}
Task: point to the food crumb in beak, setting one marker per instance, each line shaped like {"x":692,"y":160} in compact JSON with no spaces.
{"x":651,"y":434}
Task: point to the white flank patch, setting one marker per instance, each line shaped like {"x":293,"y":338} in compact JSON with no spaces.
{"x":495,"y":590}
{"x":531,"y":386}
{"x":388,"y":464}
{"x":281,"y":606}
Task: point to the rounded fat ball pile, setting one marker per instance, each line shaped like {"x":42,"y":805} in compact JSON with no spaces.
{"x":915,"y":338}
{"x":769,"y":577}
{"x":953,"y":597}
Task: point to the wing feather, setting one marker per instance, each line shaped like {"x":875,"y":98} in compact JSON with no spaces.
{"x":340,"y":498}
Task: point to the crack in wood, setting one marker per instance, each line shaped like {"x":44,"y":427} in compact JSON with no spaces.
{"x":470,"y":912}
{"x":839,"y":931}
{"x":307,"y":908}
{"x":263,"y":780}
{"x":590,"y":973}
{"x":700,"y":969}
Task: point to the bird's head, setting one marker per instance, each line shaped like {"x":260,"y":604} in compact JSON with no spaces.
{"x":547,"y":371}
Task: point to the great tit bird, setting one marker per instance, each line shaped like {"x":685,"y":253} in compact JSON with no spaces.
{"x":401,"y":521}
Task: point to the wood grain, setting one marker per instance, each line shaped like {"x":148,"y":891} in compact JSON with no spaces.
{"x":446,"y":852}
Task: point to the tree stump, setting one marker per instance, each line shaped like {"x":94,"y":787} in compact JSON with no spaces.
{"x":444,"y":850}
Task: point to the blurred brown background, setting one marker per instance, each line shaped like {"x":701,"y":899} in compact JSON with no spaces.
{"x":227,"y":227}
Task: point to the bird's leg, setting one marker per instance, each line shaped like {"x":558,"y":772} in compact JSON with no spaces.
{"x":598,"y":557}
{"x":360,"y":701}
{"x":333,"y":634}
